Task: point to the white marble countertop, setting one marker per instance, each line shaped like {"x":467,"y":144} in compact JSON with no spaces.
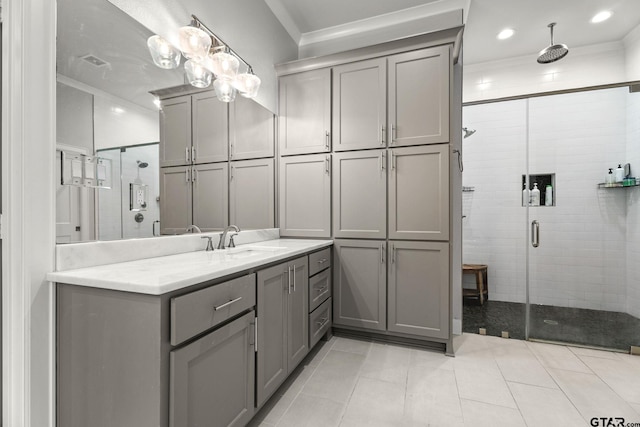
{"x":159,"y":275}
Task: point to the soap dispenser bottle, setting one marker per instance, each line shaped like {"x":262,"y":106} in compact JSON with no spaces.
{"x":610,"y":178}
{"x":619,"y":173}
{"x":535,"y":195}
{"x":525,"y":196}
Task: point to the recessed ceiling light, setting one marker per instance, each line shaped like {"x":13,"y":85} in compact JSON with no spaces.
{"x":601,"y":16}
{"x":505,"y":34}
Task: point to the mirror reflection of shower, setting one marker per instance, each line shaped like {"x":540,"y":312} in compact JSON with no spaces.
{"x":467,"y":132}
{"x":131,"y":209}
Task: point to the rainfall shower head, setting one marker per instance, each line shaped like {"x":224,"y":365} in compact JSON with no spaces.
{"x":468,"y":132}
{"x":553,"y":52}
{"x":142,"y":165}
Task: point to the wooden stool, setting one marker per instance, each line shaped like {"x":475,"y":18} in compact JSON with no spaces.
{"x":482,"y":288}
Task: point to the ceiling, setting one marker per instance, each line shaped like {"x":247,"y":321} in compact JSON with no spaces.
{"x":485,"y":18}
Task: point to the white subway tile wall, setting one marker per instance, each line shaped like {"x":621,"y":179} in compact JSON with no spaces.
{"x":587,"y":239}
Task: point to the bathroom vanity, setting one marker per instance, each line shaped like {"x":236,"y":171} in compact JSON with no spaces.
{"x":188,"y":339}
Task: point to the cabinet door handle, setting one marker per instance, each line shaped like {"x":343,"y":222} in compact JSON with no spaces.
{"x":193,"y":154}
{"x":393,"y":254}
{"x":392,"y":160}
{"x":186,"y":154}
{"x":294,"y":277}
{"x":195,"y":174}
{"x":289,"y":279}
{"x":186,"y":175}
{"x":226,"y":304}
{"x":327,"y":167}
{"x":382,"y":131}
{"x":231,"y":174}
{"x":322,"y":322}
{"x":393,"y":133}
{"x":255,"y":336}
{"x":381,"y":254}
{"x":327,"y":140}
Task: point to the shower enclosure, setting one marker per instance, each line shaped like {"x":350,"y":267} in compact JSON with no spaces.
{"x":566,"y":271}
{"x":130,"y":208}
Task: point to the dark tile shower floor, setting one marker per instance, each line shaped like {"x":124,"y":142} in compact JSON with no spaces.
{"x":571,"y":325}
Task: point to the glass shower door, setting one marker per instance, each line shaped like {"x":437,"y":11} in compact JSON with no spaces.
{"x":577,"y":231}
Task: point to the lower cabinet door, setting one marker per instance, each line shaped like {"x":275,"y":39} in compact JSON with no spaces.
{"x":298,"y":313}
{"x":359,"y":285}
{"x":419,"y":288}
{"x":212,"y":379}
{"x":272,"y":290}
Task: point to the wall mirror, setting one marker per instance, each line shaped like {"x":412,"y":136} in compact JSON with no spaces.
{"x":105,"y":109}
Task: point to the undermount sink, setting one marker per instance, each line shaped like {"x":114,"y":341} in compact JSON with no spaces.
{"x":248,"y":251}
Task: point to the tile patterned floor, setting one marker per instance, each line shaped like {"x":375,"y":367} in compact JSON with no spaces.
{"x":491,"y":382}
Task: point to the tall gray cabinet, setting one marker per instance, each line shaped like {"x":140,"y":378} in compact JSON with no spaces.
{"x":390,"y":182}
{"x":216,"y":163}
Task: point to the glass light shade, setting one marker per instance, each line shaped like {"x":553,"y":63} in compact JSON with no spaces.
{"x":163,"y":53}
{"x":224,"y":90}
{"x":225,"y":65}
{"x":194,"y":43}
{"x":247,"y":84}
{"x":197,"y":75}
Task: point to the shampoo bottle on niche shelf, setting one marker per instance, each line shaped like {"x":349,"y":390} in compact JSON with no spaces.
{"x":619,"y":174}
{"x":548,"y":196}
{"x":535,"y":195}
{"x":525,"y":196}
{"x":610,"y":178}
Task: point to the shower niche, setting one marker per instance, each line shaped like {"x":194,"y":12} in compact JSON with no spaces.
{"x":547,"y":198}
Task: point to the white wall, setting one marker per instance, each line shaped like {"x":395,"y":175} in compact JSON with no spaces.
{"x":632,"y":54}
{"x":74,"y":117}
{"x":119,"y":123}
{"x":633,"y":206}
{"x":582,"y":67}
{"x":581,"y":261}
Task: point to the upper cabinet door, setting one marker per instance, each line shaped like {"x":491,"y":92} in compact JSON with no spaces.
{"x":419,"y":97}
{"x":210,"y":129}
{"x":210,"y":196}
{"x":251,"y":130}
{"x":305,"y":113}
{"x":360,"y":194}
{"x":359,"y":105}
{"x":419,"y":193}
{"x":175,"y":131}
{"x":252,"y":195}
{"x":305,"y":196}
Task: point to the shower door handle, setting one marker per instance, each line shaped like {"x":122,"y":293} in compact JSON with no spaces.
{"x":535,"y":233}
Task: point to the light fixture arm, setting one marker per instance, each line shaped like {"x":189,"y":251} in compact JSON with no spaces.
{"x":195,"y":22}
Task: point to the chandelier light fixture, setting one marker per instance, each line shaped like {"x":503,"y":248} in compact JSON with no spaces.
{"x":207,"y":57}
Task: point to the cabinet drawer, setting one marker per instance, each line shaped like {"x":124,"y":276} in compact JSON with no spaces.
{"x":318,"y":261}
{"x":319,"y":289}
{"x":319,"y":322}
{"x":198,"y":311}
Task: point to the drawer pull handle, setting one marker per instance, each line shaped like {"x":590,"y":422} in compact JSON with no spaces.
{"x":226,"y":304}
{"x":322,"y":261}
{"x":322,"y":322}
{"x":322,"y":289}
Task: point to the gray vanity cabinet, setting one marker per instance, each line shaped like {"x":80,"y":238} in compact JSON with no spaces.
{"x":359,"y":285}
{"x":252,"y":194}
{"x":210,"y":196}
{"x":251,"y":130}
{"x":419,"y":288}
{"x":283,"y":315}
{"x":175,"y":131}
{"x":360,"y":194}
{"x":305,"y":196}
{"x":175,"y":199}
{"x":418,"y":111}
{"x":305,"y":112}
{"x":419,"y":193}
{"x":212,"y":379}
{"x":210,"y":128}
{"x":359,"y":105}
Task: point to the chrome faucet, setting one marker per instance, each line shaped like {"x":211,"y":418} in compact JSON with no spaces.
{"x":193,"y":229}
{"x":223,"y":236}
{"x":209,"y":243}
